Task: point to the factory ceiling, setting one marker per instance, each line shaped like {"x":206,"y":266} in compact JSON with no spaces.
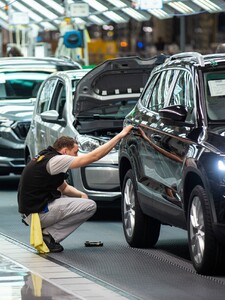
{"x":48,"y":15}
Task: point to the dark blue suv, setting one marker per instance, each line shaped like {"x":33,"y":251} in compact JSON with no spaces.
{"x":172,"y":165}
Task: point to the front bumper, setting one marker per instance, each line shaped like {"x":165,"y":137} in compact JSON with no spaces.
{"x":11,"y":165}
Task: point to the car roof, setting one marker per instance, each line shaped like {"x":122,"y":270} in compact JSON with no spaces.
{"x":50,"y":64}
{"x":72,"y":74}
{"x":197,"y":59}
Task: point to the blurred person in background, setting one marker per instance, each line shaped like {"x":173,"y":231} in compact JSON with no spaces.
{"x":14,"y":51}
{"x":220,"y":48}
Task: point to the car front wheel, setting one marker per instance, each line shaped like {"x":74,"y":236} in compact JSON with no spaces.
{"x":206,"y":252}
{"x":140,"y":230}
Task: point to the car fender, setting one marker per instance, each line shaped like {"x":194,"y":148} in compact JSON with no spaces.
{"x":193,"y":176}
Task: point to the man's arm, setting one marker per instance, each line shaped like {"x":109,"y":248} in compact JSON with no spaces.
{"x":71,"y":191}
{"x":99,"y":152}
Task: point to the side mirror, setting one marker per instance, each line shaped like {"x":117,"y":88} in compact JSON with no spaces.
{"x":174,"y":113}
{"x":49,"y":116}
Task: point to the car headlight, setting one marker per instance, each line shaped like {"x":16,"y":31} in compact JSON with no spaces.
{"x":221,"y":165}
{"x":88,"y":143}
{"x":4,"y":122}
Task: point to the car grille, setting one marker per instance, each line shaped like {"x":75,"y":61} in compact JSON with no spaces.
{"x":21,"y":129}
{"x":14,"y":153}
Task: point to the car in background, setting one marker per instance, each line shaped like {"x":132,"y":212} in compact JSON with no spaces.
{"x":172,"y":165}
{"x":91,"y":108}
{"x":20,"y":79}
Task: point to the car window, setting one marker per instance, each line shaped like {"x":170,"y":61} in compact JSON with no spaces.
{"x":59,"y":99}
{"x":74,"y":83}
{"x":183,"y":93}
{"x":161,"y":90}
{"x":215,"y":95}
{"x":17,"y":85}
{"x":46,"y":95}
{"x":147,"y":93}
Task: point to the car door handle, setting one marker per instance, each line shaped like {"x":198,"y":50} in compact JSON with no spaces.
{"x":156,"y":137}
{"x":42,"y":132}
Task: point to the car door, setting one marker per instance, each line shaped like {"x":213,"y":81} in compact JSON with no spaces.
{"x":163,"y":150}
{"x":61,"y":107}
{"x":39,"y":126}
{"x":173,"y":139}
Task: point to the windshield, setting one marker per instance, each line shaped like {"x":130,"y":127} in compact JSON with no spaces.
{"x":20,"y":85}
{"x":215,"y":95}
{"x":74,"y":83}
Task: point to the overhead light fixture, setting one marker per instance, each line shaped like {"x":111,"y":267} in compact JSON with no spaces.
{"x":117,"y":3}
{"x":96,"y":5}
{"x":208,"y":5}
{"x":135,"y":14}
{"x":159,"y":13}
{"x":3,"y":16}
{"x":4,"y":24}
{"x":42,"y":10}
{"x":114,"y":17}
{"x":181,"y":7}
{"x":79,"y":20}
{"x":96,"y":20}
{"x":48,"y":26}
{"x":57,"y":7}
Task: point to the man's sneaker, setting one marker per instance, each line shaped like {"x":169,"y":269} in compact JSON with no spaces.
{"x":51,"y":243}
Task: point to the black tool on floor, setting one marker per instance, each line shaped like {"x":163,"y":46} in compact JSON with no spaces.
{"x":93,"y":244}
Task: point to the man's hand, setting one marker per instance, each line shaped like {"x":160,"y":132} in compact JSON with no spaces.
{"x":83,"y":195}
{"x":101,"y":151}
{"x":126,"y":130}
{"x":71,"y":191}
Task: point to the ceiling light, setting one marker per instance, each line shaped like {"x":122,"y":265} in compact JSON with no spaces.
{"x":96,"y":5}
{"x":96,"y":20}
{"x":42,"y":10}
{"x":208,"y":5}
{"x":3,"y":16}
{"x":57,"y":7}
{"x":135,"y":14}
{"x":181,"y":7}
{"x":48,"y":26}
{"x":114,"y":17}
{"x":159,"y":13}
{"x":117,"y":3}
{"x":79,"y":21}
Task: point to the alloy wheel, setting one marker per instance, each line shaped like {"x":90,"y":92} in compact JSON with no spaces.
{"x":197,"y":230}
{"x":129,"y":207}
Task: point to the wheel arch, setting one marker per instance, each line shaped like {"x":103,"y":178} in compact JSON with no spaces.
{"x":191,"y":180}
{"x":125,"y":165}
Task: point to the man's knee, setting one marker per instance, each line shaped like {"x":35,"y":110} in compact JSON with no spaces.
{"x":92,"y":207}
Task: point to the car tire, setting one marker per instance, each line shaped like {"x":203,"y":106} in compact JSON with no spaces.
{"x":207,"y":254}
{"x":140,"y":230}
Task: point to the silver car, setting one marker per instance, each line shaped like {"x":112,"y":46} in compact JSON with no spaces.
{"x":20,"y":79}
{"x":89,"y":105}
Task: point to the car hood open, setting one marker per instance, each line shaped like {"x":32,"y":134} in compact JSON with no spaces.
{"x":119,"y":78}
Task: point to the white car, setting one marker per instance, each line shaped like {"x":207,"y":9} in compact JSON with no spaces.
{"x":20,"y":79}
{"x":89,"y":105}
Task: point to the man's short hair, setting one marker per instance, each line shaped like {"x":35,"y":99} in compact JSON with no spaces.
{"x":64,"y":141}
